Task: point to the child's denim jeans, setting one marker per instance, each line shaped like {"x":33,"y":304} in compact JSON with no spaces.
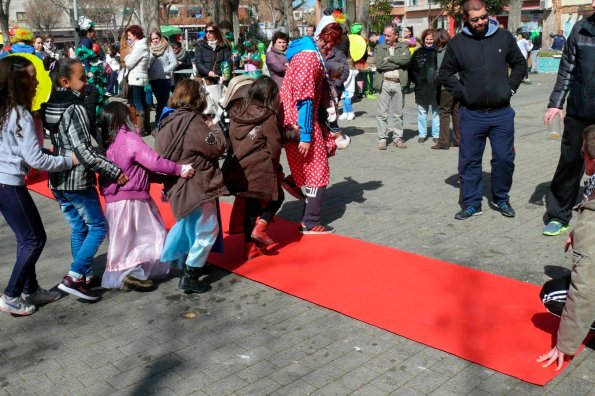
{"x":84,"y":214}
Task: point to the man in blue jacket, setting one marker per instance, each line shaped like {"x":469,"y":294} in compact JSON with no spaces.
{"x":481,"y":55}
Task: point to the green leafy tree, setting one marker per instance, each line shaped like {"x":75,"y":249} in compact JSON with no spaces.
{"x":379,"y":14}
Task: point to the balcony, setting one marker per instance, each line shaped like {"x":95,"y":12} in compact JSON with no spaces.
{"x":418,"y":5}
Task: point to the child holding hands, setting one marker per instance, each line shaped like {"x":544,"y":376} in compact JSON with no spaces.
{"x":136,"y":230}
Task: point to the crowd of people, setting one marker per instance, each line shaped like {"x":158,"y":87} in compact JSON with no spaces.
{"x":287,"y":99}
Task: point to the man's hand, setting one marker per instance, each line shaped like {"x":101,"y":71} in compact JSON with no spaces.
{"x":551,"y":113}
{"x":122,"y":179}
{"x":552,"y":356}
{"x":569,"y":242}
{"x":303,"y":148}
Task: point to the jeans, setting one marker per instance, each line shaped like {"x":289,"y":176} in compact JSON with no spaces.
{"x":476,"y":127}
{"x":390,"y":110}
{"x":422,"y":120}
{"x":112,"y":83}
{"x":566,"y":183}
{"x":84,"y":214}
{"x":161,"y":90}
{"x":136,"y":98}
{"x":20,"y":213}
{"x":347,"y":107}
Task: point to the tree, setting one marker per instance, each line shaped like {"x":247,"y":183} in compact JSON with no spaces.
{"x":4,"y":13}
{"x":455,"y":7}
{"x":42,"y":17}
{"x":514,"y":15}
{"x":363,"y":16}
{"x":380,"y":15}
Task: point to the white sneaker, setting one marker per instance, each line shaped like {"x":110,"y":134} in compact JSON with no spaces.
{"x":16,"y":306}
{"x":350,"y":116}
{"x":343,"y":116}
{"x":42,"y":296}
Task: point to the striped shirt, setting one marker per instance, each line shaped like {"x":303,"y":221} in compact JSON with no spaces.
{"x":65,"y":116}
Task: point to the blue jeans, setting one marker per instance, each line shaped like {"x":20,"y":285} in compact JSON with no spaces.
{"x":112,"y":83}
{"x":347,"y":107}
{"x":422,"y":120}
{"x":136,"y":98}
{"x":83,"y":212}
{"x":476,"y":127}
{"x":20,"y":213}
{"x":161,"y":90}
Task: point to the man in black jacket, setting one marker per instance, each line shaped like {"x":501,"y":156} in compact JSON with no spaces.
{"x":481,"y":56}
{"x":576,"y":79}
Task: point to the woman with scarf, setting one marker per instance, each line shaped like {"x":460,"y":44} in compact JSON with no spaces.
{"x":424,"y":73}
{"x":210,"y":53}
{"x":183,"y":62}
{"x":276,"y":61}
{"x":162,"y":63}
{"x":50,"y":47}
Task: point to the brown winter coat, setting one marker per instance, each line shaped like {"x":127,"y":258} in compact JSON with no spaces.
{"x":251,"y":167}
{"x":184,"y":137}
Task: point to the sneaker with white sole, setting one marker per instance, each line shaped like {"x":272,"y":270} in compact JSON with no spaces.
{"x":16,"y":305}
{"x":42,"y":296}
{"x":318,"y":229}
{"x":77,"y":288}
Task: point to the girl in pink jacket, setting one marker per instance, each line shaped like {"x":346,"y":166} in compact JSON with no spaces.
{"x":136,"y":230}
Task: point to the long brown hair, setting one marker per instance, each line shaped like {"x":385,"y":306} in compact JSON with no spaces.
{"x":221,"y":41}
{"x":441,"y":38}
{"x":17,"y":88}
{"x":263,"y":90}
{"x":189,"y":93}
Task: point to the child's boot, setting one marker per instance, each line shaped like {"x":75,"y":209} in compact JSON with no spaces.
{"x":343,"y":116}
{"x":190,"y":281}
{"x":253,"y":250}
{"x":350,"y":116}
{"x":259,"y":232}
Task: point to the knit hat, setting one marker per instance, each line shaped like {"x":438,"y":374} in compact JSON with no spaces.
{"x":22,"y":35}
{"x":356,"y":28}
{"x":324,"y":22}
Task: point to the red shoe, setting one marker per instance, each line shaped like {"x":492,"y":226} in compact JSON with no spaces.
{"x":259,"y":232}
{"x":253,"y":250}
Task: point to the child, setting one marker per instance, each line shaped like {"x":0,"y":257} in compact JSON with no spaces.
{"x":349,"y":92}
{"x":574,"y":299}
{"x":136,"y":230}
{"x":184,"y":136}
{"x":252,"y":169}
{"x":19,"y":150}
{"x":64,"y":115}
{"x":251,"y":59}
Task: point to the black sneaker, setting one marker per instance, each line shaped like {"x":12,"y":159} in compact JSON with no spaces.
{"x":505,"y":208}
{"x":469,"y":211}
{"x":77,"y":288}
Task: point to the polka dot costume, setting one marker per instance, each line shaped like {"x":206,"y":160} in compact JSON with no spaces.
{"x":303,"y":80}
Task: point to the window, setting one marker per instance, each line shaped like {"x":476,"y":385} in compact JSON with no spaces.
{"x":194,"y":12}
{"x":21,"y":17}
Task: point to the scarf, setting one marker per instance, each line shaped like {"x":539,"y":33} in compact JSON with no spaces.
{"x":158,"y":49}
{"x":50,"y":49}
{"x":275,"y":50}
{"x":589,"y":187}
{"x":181,"y":56}
{"x":212,"y":44}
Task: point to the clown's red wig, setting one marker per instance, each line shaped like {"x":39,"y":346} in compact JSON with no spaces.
{"x":331,"y":33}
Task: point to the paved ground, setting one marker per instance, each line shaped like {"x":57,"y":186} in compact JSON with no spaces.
{"x":246,"y":338}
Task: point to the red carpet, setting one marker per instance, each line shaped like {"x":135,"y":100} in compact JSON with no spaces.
{"x":488,"y":319}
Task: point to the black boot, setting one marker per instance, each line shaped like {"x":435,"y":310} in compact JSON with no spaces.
{"x":190,"y":281}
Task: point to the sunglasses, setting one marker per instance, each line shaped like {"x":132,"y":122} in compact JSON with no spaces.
{"x":210,"y":31}
{"x":49,"y":41}
{"x":477,"y":19}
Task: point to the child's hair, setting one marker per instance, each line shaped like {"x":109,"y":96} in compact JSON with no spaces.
{"x":17,"y":88}
{"x":350,"y":63}
{"x":265,"y":90}
{"x":113,"y":117}
{"x":589,"y":140}
{"x":189,"y":93}
{"x":59,"y":68}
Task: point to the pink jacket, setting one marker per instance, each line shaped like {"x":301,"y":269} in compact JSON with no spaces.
{"x":136,"y":159}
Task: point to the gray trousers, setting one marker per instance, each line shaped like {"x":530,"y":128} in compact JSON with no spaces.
{"x":390,"y":110}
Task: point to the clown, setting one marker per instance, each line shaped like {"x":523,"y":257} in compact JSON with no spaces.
{"x":302,"y":98}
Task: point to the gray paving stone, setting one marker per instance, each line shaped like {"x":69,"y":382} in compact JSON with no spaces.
{"x":498,"y":384}
{"x":406,"y":391}
{"x":369,"y":389}
{"x":263,"y":386}
{"x":332,"y":389}
{"x":392,"y":379}
{"x":427,"y":381}
{"x":290,"y":373}
{"x":358,"y":378}
{"x":297,"y":388}
{"x":323,"y":376}
{"x":225,"y":386}
{"x":462,"y":383}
